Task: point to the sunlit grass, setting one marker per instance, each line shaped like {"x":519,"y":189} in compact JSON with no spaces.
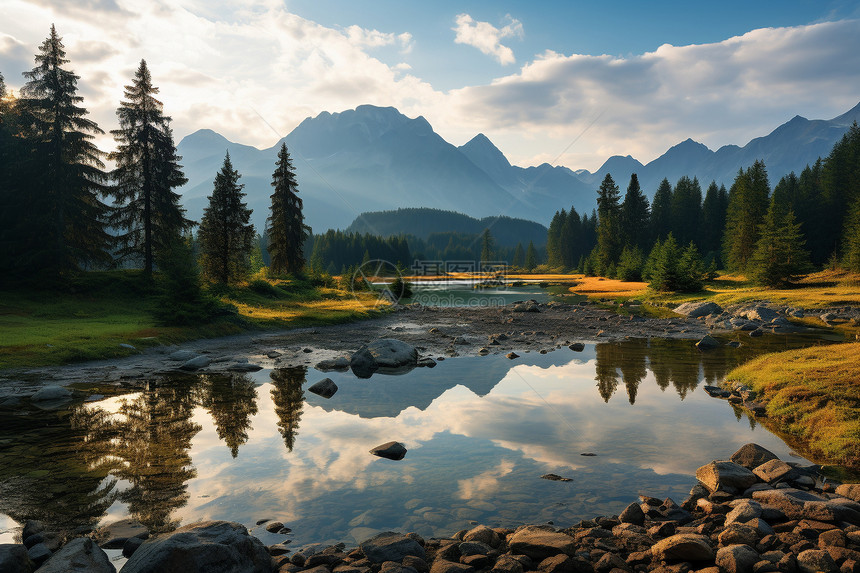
{"x":609,"y":288}
{"x":814,"y":396}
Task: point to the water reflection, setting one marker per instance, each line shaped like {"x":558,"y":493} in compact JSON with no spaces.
{"x":480,"y":432}
{"x":288,"y":397}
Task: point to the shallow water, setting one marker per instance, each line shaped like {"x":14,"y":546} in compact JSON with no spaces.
{"x":480,"y":433}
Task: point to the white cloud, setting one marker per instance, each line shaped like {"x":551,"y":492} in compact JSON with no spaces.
{"x":487,"y":38}
{"x":365,"y":38}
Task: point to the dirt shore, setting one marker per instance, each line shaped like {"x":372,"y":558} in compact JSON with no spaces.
{"x":436,"y":332}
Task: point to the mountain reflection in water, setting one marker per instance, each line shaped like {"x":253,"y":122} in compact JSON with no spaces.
{"x":480,"y":432}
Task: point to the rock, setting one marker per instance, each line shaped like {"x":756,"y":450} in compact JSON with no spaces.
{"x":14,"y":559}
{"x":416,"y":562}
{"x":131,"y":545}
{"x":698,"y":309}
{"x":426,"y":362}
{"x":564,"y":564}
{"x":742,"y":512}
{"x":390,"y":546}
{"x":182,"y":355}
{"x":540,"y":543}
{"x":633,"y":514}
{"x":610,"y":562}
{"x":243,"y":367}
{"x":325,"y":388}
{"x":512,"y":355}
{"x":720,"y":474}
{"x":683,"y":547}
{"x":212,"y":546}
{"x":196,"y":363}
{"x":339,"y":364}
{"x":81,"y":554}
{"x":738,"y":533}
{"x":383,"y":353}
{"x":483,"y":534}
{"x":474,"y":548}
{"x":52,"y":394}
{"x":816,"y":561}
{"x":849,"y":490}
{"x":828,"y":317}
{"x":39,"y":553}
{"x":507,"y":564}
{"x":390,"y":450}
{"x":756,"y":333}
{"x":443,"y":566}
{"x":707,"y":343}
{"x":114,"y":535}
{"x":773,"y":470}
{"x":737,"y":559}
{"x":127,"y":346}
{"x":752,"y":455}
{"x":555,"y":477}
{"x":274,"y":526}
{"x":760,"y":313}
{"x":577,"y":347}
{"x":528,"y":306}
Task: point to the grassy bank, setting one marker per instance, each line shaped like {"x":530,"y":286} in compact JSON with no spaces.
{"x":813,"y":395}
{"x":96,"y":313}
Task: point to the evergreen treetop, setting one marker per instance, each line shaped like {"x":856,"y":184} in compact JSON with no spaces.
{"x":287,"y":231}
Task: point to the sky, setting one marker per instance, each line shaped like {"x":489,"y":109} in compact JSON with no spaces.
{"x":565,"y":82}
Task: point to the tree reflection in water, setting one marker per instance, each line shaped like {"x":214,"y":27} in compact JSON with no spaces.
{"x":231,"y":401}
{"x":288,"y":397}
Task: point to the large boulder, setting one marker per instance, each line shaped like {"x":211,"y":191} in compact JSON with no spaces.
{"x":799,"y":504}
{"x":698,"y":309}
{"x":752,"y":455}
{"x":14,"y":559}
{"x":737,"y":558}
{"x":325,"y":388}
{"x":390,"y":546}
{"x":760,"y":313}
{"x":773,"y":470}
{"x":539,"y":543}
{"x":849,"y":490}
{"x":196,"y":363}
{"x":683,"y":547}
{"x":79,"y":555}
{"x":211,"y":546}
{"x":383,"y":353}
{"x":707,"y":343}
{"x":720,"y":475}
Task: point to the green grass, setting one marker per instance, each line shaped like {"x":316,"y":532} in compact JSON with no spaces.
{"x":813,"y":397}
{"x":97,"y":312}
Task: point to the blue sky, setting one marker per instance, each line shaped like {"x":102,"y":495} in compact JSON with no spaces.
{"x":570,"y":83}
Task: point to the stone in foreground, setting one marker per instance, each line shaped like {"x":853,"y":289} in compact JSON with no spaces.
{"x":707,"y":343}
{"x":698,"y":309}
{"x":390,"y":546}
{"x":717,"y":475}
{"x":79,"y":555}
{"x":752,"y":455}
{"x":211,"y":546}
{"x":683,"y":547}
{"x":390,"y":450}
{"x":13,"y":558}
{"x":383,"y":353}
{"x":737,"y":558}
{"x":540,"y":543}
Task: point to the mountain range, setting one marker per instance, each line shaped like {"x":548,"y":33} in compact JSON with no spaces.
{"x":376,"y":159}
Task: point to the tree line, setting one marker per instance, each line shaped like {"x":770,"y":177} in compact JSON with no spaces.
{"x":675,"y":241}
{"x":62,"y":210}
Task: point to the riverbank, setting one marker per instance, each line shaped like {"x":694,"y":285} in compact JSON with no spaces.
{"x":812,"y":395}
{"x":103,"y":315}
{"x":751,"y":512}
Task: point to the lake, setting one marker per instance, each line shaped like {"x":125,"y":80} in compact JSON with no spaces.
{"x":481,"y":431}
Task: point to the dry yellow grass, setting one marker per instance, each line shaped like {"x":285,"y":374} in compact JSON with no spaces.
{"x":609,"y":288}
{"x":813,"y":396}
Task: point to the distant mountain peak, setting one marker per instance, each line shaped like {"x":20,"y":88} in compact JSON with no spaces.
{"x":848,"y":117}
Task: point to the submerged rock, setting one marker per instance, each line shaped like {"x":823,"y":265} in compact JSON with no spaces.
{"x":707,"y":343}
{"x":339,"y":364}
{"x":383,"y":353}
{"x":555,"y":477}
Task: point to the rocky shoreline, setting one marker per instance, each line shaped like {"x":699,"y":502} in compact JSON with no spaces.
{"x":750,"y":513}
{"x":436,"y":332}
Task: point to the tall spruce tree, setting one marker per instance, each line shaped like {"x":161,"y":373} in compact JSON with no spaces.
{"x":226,"y":237}
{"x":840,"y":179}
{"x":713,"y":220}
{"x":287,"y":230}
{"x":554,"y":254}
{"x":661,"y":211}
{"x":147,"y":213}
{"x":571,"y":239}
{"x":635,"y":214}
{"x":780,"y":256}
{"x":488,"y":247}
{"x":519,"y":256}
{"x":687,"y":210}
{"x":851,"y":238}
{"x":748,"y":204}
{"x":531,"y":257}
{"x":65,"y":194}
{"x":608,"y":227}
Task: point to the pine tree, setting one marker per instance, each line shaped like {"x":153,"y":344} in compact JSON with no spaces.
{"x":748,"y":204}
{"x":571,"y":238}
{"x":851,"y":238}
{"x":840,"y":182}
{"x":609,"y":212}
{"x":487,"y":248}
{"x":686,"y":210}
{"x":519,"y":256}
{"x":780,"y":256}
{"x":287,"y":231}
{"x":713,"y":220}
{"x":691,"y":271}
{"x":147,"y":211}
{"x":554,"y":239}
{"x":661,"y":211}
{"x":226,"y":236}
{"x":531,"y":257}
{"x":635,"y":216}
{"x":64,"y":198}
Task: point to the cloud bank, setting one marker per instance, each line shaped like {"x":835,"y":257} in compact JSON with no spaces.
{"x":487,"y":38}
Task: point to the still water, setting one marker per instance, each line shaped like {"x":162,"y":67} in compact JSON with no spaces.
{"x":480,"y":432}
